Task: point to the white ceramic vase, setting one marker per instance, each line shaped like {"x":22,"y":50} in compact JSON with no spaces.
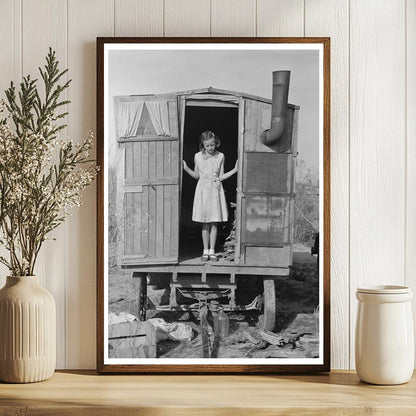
{"x":384,"y":341}
{"x":27,"y":331}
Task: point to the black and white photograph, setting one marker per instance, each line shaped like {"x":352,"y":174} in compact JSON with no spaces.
{"x":213,"y":204}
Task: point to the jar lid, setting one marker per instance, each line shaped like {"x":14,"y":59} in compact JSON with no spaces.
{"x":384,"y":289}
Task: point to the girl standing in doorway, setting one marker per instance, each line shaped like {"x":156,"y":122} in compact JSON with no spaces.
{"x":210,"y":206}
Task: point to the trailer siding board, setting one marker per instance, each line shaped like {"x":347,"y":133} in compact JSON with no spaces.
{"x":145,"y":160}
{"x":173,"y":118}
{"x":137,"y":160}
{"x":241,"y":225}
{"x":175,"y":199}
{"x":119,"y":202}
{"x":167,"y":220}
{"x":285,"y":144}
{"x":292,"y":229}
{"x":166,"y":153}
{"x":149,"y":182}
{"x":123,"y":242}
{"x":160,"y":207}
{"x":263,"y":122}
{"x":129,"y":160}
{"x":152,"y":160}
{"x":257,"y":119}
{"x":241,"y":130}
{"x":250,"y":125}
{"x":137,"y":222}
{"x":265,"y":116}
{"x":129,"y":224}
{"x":167,"y":149}
{"x":145,"y":222}
{"x":294,"y":124}
{"x":173,"y":167}
{"x":174,"y":221}
{"x":159,"y":159}
{"x":288,"y":221}
{"x":175,"y":159}
{"x":152,"y":221}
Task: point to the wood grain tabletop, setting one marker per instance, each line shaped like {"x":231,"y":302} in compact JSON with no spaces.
{"x":85,"y":393}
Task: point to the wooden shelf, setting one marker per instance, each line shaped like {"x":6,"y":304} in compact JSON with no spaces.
{"x":86,"y":393}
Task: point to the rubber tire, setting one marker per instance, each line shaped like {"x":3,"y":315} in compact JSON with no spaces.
{"x":268,"y":320}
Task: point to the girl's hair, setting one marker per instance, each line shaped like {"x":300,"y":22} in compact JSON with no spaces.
{"x":208,"y":135}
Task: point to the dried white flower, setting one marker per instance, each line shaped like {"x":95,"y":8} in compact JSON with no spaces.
{"x":42,"y":175}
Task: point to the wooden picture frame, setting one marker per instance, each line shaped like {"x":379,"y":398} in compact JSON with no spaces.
{"x":149,"y":117}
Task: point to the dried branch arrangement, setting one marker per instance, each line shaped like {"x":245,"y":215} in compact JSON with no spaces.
{"x":42,"y":176}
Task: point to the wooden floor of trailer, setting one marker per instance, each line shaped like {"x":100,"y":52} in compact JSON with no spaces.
{"x":195,"y":265}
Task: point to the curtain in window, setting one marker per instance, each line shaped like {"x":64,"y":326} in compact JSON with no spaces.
{"x":158,"y":111}
{"x":128,"y":119}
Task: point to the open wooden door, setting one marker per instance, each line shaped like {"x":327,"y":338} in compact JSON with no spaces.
{"x":149,"y":191}
{"x":265,"y":192}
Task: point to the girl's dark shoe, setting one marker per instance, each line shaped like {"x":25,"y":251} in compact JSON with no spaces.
{"x":205,"y":257}
{"x":213,"y":257}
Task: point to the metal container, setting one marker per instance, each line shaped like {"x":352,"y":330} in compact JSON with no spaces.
{"x":384,"y":342}
{"x":223,"y":324}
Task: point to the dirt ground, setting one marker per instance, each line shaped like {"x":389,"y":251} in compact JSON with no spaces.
{"x":297,"y":331}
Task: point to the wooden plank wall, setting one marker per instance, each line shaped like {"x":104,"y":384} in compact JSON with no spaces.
{"x":372,"y":122}
{"x":410,"y":151}
{"x":151,"y":206}
{"x":52,"y":264}
{"x":331,"y":18}
{"x":149,"y":189}
{"x":377,"y":228}
{"x":257,"y":119}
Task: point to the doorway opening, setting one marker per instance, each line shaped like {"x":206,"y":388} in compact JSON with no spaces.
{"x":223,"y":121}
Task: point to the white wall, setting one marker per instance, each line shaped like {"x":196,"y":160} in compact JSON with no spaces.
{"x":373,"y":132}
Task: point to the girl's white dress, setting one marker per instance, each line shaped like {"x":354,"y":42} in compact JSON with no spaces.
{"x":209,"y":201}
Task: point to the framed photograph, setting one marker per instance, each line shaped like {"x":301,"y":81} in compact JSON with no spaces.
{"x":213,"y":205}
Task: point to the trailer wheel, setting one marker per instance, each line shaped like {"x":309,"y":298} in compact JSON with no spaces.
{"x":267,"y":321}
{"x":138,"y":304}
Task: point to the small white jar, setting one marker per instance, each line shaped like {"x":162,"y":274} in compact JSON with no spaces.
{"x":384,"y":338}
